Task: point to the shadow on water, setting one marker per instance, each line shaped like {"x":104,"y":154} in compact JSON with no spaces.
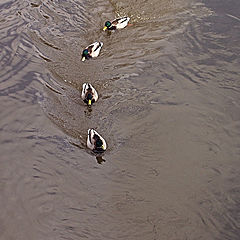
{"x":99,"y":156}
{"x":100,"y":159}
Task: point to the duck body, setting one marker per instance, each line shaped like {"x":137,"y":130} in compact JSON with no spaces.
{"x":95,"y":141}
{"x":89,"y":94}
{"x":117,"y":23}
{"x":92,"y":50}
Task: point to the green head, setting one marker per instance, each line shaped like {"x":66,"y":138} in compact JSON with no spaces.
{"x":85,"y":52}
{"x":108,"y":24}
{"x":99,"y":143}
{"x":89,"y":99}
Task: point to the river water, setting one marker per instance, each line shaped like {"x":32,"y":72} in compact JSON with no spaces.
{"x":169,"y":109}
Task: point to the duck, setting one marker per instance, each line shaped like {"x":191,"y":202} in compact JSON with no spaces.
{"x":92,"y":50}
{"x":117,"y":23}
{"x":89,"y":94}
{"x":95,"y":141}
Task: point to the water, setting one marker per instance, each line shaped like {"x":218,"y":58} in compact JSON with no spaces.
{"x":169,"y":109}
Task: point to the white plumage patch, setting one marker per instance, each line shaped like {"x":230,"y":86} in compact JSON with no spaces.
{"x":85,"y":88}
{"x":96,"y":47}
{"x":91,"y":140}
{"x":122,"y":23}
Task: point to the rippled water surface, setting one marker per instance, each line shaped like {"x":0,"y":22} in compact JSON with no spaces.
{"x":169,"y":109}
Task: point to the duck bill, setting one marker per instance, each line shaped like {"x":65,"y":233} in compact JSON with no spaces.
{"x":83,"y":59}
{"x":105,"y":28}
{"x":89,"y":102}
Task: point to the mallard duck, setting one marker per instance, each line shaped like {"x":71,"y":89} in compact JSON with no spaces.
{"x":92,"y":50}
{"x":89,"y":94}
{"x":116,"y":23}
{"x":95,"y":142}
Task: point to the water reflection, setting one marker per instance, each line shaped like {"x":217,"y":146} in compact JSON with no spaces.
{"x":100,"y":159}
{"x":98,"y":156}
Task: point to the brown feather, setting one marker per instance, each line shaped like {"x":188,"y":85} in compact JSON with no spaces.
{"x":90,"y":48}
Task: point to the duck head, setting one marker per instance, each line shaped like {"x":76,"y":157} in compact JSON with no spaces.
{"x":89,"y":99}
{"x":99,"y":144}
{"x":107,"y":25}
{"x":85,"y":55}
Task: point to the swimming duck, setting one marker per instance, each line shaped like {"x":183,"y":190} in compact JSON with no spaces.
{"x":89,"y":94}
{"x":95,"y":142}
{"x":92,"y":50}
{"x":118,"y":23}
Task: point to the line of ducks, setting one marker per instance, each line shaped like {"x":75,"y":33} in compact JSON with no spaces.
{"x":95,"y":141}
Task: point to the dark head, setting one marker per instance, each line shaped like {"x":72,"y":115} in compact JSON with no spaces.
{"x":85,"y":54}
{"x":99,"y":143}
{"x":107,"y":25}
{"x":89,"y":98}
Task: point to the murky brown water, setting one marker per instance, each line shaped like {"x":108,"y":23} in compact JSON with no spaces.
{"x":169,"y":109}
